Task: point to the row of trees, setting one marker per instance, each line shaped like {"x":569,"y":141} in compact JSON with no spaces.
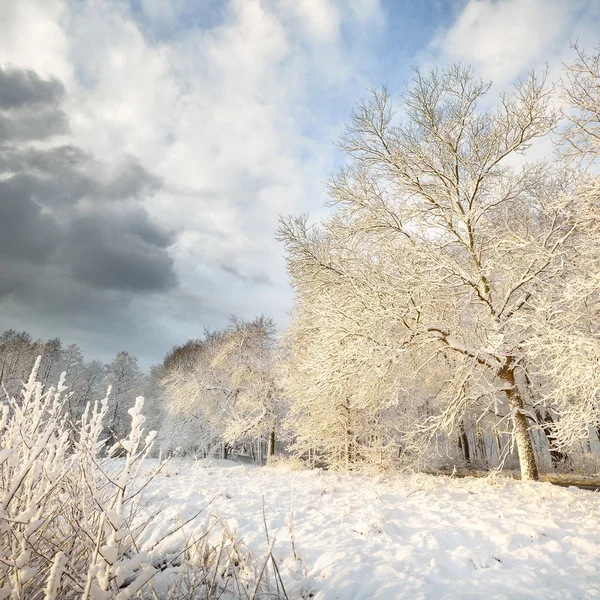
{"x":88,"y":381}
{"x":209,"y":396}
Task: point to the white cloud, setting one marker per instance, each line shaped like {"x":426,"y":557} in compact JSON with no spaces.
{"x":504,"y":38}
{"x":320,"y":17}
{"x":226,"y":115}
{"x":31,"y":37}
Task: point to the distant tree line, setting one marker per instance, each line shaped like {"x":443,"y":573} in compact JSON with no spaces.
{"x":87,"y":381}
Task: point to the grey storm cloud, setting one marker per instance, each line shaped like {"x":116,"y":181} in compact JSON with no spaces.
{"x":19,"y":88}
{"x":66,"y":211}
{"x":259,"y":277}
{"x":65,"y":174}
{"x":30,"y":107}
{"x":125,"y":253}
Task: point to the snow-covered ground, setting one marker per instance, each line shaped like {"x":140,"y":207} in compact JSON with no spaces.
{"x":399,"y":537}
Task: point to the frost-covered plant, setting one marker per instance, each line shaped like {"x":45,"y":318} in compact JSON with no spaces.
{"x":72,"y":514}
{"x":218,"y":564}
{"x":34,"y":463}
{"x":67,"y":510}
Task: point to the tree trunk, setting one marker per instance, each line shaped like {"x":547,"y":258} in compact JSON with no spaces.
{"x":463,"y":443}
{"x":348,"y":450}
{"x":480,"y":447}
{"x":271,"y":448}
{"x":529,"y":470}
{"x":498,"y":445}
{"x":546,"y":421}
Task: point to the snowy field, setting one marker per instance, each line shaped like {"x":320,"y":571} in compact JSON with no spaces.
{"x":397,"y":537}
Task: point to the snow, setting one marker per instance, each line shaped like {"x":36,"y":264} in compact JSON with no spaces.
{"x":401,"y":536}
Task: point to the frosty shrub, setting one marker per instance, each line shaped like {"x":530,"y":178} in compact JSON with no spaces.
{"x":218,"y":564}
{"x":72,"y":515}
{"x":287,"y":463}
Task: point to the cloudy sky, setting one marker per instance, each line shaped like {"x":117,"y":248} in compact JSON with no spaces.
{"x":147,"y":147}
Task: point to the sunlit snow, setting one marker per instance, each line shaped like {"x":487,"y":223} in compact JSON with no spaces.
{"x":396,"y":537}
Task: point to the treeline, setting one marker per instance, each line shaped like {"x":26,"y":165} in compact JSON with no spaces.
{"x":448,"y":309}
{"x":210,"y":396}
{"x":87,"y":381}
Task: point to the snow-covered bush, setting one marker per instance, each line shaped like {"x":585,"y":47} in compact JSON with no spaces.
{"x":218,"y":564}
{"x":72,"y":515}
{"x":287,"y":463}
{"x":67,"y":509}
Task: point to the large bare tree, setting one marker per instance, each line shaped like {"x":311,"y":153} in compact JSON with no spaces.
{"x":443,"y":238}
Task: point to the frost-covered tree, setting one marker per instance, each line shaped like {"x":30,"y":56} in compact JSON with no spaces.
{"x":16,"y":358}
{"x":191,"y":425}
{"x":52,"y":355}
{"x":71,"y":363}
{"x":439,"y":244}
{"x":222,"y":389}
{"x":18,"y":352}
{"x":581,"y":95}
{"x":566,"y":341}
{"x":87,"y":387}
{"x":341,"y":384}
{"x":125,"y":379}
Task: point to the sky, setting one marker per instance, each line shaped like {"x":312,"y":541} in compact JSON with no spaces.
{"x":148,"y":147}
